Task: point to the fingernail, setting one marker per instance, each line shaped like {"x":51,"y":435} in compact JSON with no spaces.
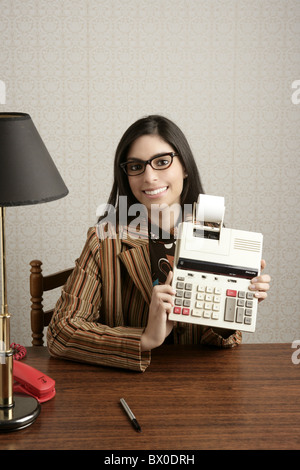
{"x":257,"y":294}
{"x":252,"y":287}
{"x":254,"y":280}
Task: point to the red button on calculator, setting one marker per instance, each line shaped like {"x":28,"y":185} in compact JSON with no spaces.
{"x":185,"y":311}
{"x":231,"y":293}
{"x":177,"y":310}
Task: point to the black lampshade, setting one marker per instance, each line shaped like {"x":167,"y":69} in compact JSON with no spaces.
{"x":28,"y":174}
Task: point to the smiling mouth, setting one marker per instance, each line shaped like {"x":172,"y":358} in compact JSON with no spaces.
{"x":156,"y":191}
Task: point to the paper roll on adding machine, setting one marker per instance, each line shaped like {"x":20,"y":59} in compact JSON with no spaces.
{"x":213,"y":266}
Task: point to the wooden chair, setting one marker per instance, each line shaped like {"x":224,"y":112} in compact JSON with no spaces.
{"x":38,"y":285}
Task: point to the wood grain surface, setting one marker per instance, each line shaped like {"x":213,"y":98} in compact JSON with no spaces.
{"x":189,"y":398}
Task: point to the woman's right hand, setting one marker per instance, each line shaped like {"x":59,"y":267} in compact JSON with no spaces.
{"x":158,"y":326}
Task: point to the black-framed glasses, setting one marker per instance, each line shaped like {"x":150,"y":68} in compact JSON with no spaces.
{"x":158,"y":162}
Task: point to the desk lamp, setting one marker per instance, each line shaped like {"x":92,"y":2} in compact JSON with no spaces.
{"x":28,"y":175}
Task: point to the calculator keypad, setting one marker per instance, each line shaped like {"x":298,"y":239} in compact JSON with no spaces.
{"x":204,"y":301}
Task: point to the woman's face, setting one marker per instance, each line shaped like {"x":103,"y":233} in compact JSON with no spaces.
{"x":155,"y":186}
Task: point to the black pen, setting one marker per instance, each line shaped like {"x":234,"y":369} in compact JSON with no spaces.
{"x":131,"y":416}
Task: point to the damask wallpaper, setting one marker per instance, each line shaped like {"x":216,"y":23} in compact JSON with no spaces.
{"x":226,"y":71}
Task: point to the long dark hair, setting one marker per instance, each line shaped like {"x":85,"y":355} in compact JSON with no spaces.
{"x":170,"y":133}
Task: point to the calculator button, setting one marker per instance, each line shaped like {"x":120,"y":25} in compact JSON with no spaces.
{"x":196,"y":313}
{"x":186,"y":303}
{"x":178,"y":302}
{"x":209,"y":290}
{"x":180,"y":278}
{"x":240,"y":303}
{"x":188,"y":286}
{"x":200,"y":296}
{"x":217,"y":298}
{"x":208,"y":297}
{"x":231,"y":293}
{"x":187,"y":295}
{"x":249,"y":303}
{"x":180,"y":285}
{"x":217,"y":291}
{"x":215,"y":316}
{"x":249,"y":295}
{"x":199,"y":304}
{"x":200,"y":288}
{"x":177,"y":310}
{"x":241,"y":294}
{"x":247,"y":320}
{"x":179,"y":293}
{"x":229,"y":309}
{"x":239,"y":315}
{"x":206,"y":314}
{"x":185,"y":311}
{"x":248,"y":312}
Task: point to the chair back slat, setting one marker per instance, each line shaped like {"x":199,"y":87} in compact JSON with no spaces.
{"x":38,"y":285}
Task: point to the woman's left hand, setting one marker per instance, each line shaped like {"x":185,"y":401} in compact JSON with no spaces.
{"x":261,"y":284}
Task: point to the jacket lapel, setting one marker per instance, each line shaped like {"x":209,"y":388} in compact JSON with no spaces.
{"x":136,"y":258}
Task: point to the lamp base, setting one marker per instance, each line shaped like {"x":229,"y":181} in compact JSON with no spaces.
{"x":22,"y":414}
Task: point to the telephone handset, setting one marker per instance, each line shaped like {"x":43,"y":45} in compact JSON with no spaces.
{"x":32,"y":382}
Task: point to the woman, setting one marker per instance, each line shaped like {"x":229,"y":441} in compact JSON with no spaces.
{"x":114,"y":308}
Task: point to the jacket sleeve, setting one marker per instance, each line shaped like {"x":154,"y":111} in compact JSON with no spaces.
{"x":74,"y":332}
{"x":221,"y":338}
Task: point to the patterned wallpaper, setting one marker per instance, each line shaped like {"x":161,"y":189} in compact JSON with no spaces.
{"x":223,"y":70}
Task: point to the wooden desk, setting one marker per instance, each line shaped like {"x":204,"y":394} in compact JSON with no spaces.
{"x":189,"y":398}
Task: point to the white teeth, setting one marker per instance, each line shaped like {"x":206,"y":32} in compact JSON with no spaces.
{"x":156,"y":191}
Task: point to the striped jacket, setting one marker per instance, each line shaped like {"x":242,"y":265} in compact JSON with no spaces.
{"x":103,"y":308}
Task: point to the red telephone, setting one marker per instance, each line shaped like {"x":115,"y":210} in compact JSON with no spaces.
{"x":32,"y":382}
